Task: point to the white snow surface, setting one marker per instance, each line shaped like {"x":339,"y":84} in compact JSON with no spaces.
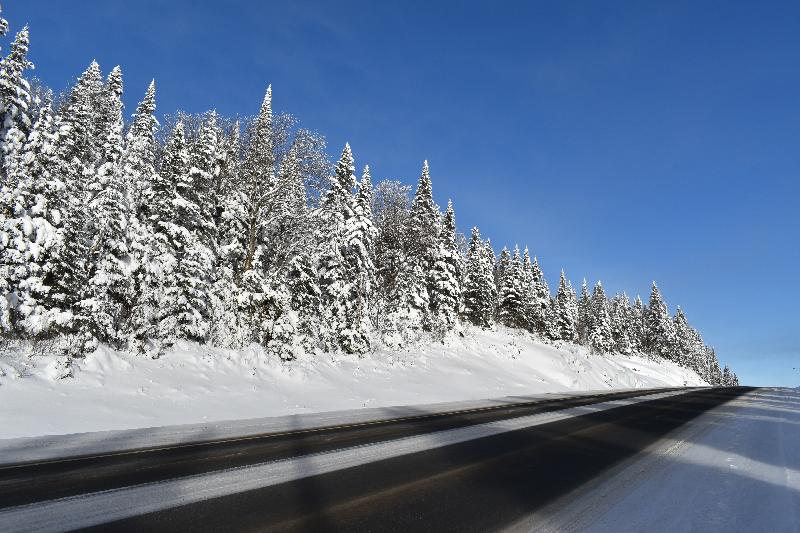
{"x":194,"y":384}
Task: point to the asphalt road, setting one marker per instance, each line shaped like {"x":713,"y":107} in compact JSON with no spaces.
{"x":485,"y":484}
{"x":28,"y":483}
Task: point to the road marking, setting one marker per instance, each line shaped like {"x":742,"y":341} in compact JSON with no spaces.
{"x":101,"y":507}
{"x":321,"y":429}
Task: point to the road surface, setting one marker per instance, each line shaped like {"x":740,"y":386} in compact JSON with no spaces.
{"x":672,"y":461}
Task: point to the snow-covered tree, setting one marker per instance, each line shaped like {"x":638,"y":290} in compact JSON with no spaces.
{"x":15,"y":97}
{"x":304,"y":303}
{"x":342,"y":268}
{"x":659,"y":331}
{"x":479,"y":288}
{"x":76,"y":153}
{"x":621,"y":315}
{"x":683,"y":339}
{"x":539,"y":303}
{"x":512,"y":309}
{"x":490,"y":264}
{"x":562,"y":315}
{"x":391,"y":207}
{"x":108,"y":297}
{"x":139,"y":156}
{"x":585,"y":314}
{"x":445,"y":277}
{"x":32,"y":232}
{"x":15,"y":124}
{"x":412,"y":300}
{"x":636,"y":325}
{"x":229,"y":232}
{"x":3,"y":25}
{"x":601,"y":337}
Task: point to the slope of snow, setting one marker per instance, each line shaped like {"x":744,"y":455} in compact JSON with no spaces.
{"x":194,"y":384}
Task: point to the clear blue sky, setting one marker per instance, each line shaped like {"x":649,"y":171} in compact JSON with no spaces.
{"x":625,"y":141}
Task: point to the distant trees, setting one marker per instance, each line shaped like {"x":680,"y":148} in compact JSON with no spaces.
{"x":229,"y":232}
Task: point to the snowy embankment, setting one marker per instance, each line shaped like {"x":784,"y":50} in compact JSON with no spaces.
{"x":191,"y":383}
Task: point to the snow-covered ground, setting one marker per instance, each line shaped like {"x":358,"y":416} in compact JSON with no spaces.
{"x":191,"y":383}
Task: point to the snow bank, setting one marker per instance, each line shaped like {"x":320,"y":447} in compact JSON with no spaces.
{"x":195,"y":384}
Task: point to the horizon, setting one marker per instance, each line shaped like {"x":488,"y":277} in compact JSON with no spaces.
{"x":573,"y":113}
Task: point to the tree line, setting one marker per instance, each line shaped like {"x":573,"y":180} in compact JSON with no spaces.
{"x":227,"y":231}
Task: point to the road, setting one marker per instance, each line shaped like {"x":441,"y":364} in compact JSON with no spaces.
{"x":558,"y":465}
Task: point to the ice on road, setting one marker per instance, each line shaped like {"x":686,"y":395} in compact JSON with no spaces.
{"x":736,"y":468}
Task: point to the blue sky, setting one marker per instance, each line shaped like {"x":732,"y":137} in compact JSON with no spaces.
{"x":622,"y":141}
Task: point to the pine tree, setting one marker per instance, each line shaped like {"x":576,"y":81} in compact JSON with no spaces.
{"x":77,"y":150}
{"x":411,"y":311}
{"x":203,"y":174}
{"x":490,"y":265}
{"x":163,"y":296}
{"x":585,"y":315}
{"x":479,"y":284}
{"x":572,"y":301}
{"x":621,"y":312}
{"x":194,"y":235}
{"x":637,"y":329}
{"x":342,"y":267}
{"x":33,"y":266}
{"x":3,"y":24}
{"x":14,"y":184}
{"x":683,"y":339}
{"x":540,"y":297}
{"x":15,"y":98}
{"x":502,"y":266}
{"x":305,"y":302}
{"x":107,"y":299}
{"x":258,"y":180}
{"x":600,"y":335}
{"x":445,"y":278}
{"x":512,"y":310}
{"x":562,"y":318}
{"x":659,"y":332}
{"x":727,"y":378}
{"x":138,"y":159}
{"x":424,"y":223}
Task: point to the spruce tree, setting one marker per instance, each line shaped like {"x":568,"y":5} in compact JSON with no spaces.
{"x":445,"y":278}
{"x":585,"y":315}
{"x":411,"y":311}
{"x":15,"y":123}
{"x":33,"y":266}
{"x":600,"y":335}
{"x":164,"y":295}
{"x":621,"y":314}
{"x":139,"y":156}
{"x":107,"y":299}
{"x":257,"y":173}
{"x":15,"y":97}
{"x":77,"y":150}
{"x":479,"y":284}
{"x":637,"y":327}
{"x":659,"y":331}
{"x":512,"y":310}
{"x":540,"y":304}
{"x":3,"y":25}
{"x":562,"y":318}
{"x":490,"y":265}
{"x":305,"y":302}
{"x":343,"y":281}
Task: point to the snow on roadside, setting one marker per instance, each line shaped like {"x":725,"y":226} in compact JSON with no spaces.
{"x":192,"y":383}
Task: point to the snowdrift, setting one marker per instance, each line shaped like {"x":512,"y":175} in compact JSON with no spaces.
{"x":193,"y":384}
